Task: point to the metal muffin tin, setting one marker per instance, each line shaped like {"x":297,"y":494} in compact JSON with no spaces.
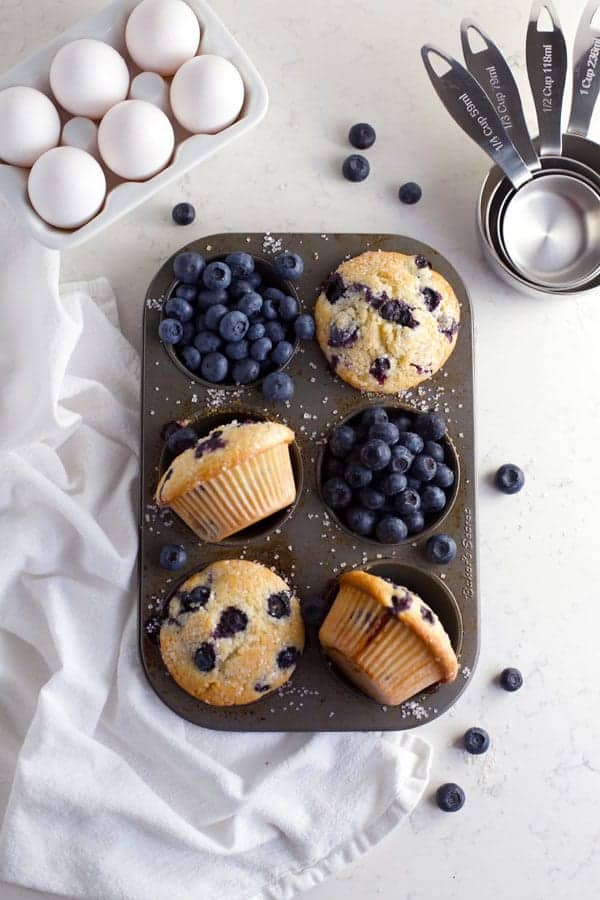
{"x":306,"y":544}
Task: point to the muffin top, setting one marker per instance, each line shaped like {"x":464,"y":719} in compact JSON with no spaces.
{"x":386,"y":321}
{"x":233,"y":634}
{"x":222,"y":448}
{"x":413,"y":612}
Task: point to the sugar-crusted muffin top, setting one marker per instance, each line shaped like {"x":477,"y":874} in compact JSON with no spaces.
{"x":234,"y":632}
{"x":413,"y":612}
{"x":386,"y":321}
{"x":223,"y":448}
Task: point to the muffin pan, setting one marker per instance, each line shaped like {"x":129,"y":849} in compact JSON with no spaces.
{"x":306,"y":544}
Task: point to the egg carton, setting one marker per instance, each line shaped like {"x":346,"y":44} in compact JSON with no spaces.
{"x":122,"y":196}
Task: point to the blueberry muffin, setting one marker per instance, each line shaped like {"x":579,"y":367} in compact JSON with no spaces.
{"x":386,"y":321}
{"x":234,"y":633}
{"x":386,"y":639}
{"x":237,"y":475}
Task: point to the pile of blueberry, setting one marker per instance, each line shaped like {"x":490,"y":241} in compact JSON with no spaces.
{"x":387,"y":473}
{"x":228,"y":326}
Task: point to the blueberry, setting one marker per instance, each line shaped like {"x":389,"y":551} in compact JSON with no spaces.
{"x":282,"y":353}
{"x":421,"y":262}
{"x":275,"y":331}
{"x":205,"y":657}
{"x":274,"y":294}
{"x":231,"y":621}
{"x":237,"y":289}
{"x":260,"y":349}
{"x":407,"y":502}
{"x":237,"y":350}
{"x":256,"y":331}
{"x":373,"y":416}
{"x":333,"y":466}
{"x":197,"y":597}
{"x":450,"y":797}
{"x":361,"y":521}
{"x":511,"y":679}
{"x":207,"y":342}
{"x":371,"y":498}
{"x":289,"y":265}
{"x":379,"y":369}
{"x":342,"y":441}
{"x":214,"y":367}
{"x":187,"y":291}
{"x":288,"y":657}
{"x":433,"y":499}
{"x":431,"y":426}
{"x":234,"y":326}
{"x":356,"y":475}
{"x":278,"y":605}
{"x":391,"y":530}
{"x":269,"y":310}
{"x":304,"y":327}
{"x":415,"y":521}
{"x":423,"y":468}
{"x":254,"y":279}
{"x":216,"y":275}
{"x":183,"y":214}
{"x":393,"y":484}
{"x":441,"y":549}
{"x":191,"y":358}
{"x":314,"y":610}
{"x":181,"y":439}
{"x":206,"y":299}
{"x":240,"y":264}
{"x":214,"y":315}
{"x":476,"y":740}
{"x":410,"y":193}
{"x":200,"y":322}
{"x":245,"y":371}
{"x":356,"y":167}
{"x":401,"y":459}
{"x":435,"y":450}
{"x":509,"y":479}
{"x":250,"y":303}
{"x":173,"y":557}
{"x":278,"y":387}
{"x":413,"y":441}
{"x":413,"y":483}
{"x":288,"y":309}
{"x":188,"y":267}
{"x":375,"y":454}
{"x":444,"y":477}
{"x":170,"y":331}
{"x":189,"y":332}
{"x":337,"y":493}
{"x":362,"y":136}
{"x":384,"y":431}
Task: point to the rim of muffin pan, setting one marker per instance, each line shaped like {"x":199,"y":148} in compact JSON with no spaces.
{"x":430,"y":588}
{"x":203,"y":424}
{"x":453,"y":462}
{"x":271,"y":279}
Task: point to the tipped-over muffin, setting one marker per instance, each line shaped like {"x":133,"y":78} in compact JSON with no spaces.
{"x":386,"y":321}
{"x":237,"y":475}
{"x":386,"y":639}
{"x":233,"y":634}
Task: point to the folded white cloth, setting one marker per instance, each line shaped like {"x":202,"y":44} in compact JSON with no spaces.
{"x":104,"y":792}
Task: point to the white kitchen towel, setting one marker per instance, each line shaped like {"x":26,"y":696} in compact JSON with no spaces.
{"x":105,"y":794}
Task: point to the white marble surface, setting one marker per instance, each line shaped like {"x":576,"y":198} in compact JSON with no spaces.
{"x":530,"y":827}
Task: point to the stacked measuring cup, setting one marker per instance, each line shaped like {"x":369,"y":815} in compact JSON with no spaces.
{"x":539,"y":209}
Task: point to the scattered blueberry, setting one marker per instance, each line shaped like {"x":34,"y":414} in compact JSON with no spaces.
{"x":431,"y":426}
{"x":360,"y":520}
{"x":181,"y":439}
{"x":441,"y":549}
{"x":391,"y":530}
{"x":282,"y":352}
{"x":245,"y":371}
{"x":356,"y":167}
{"x":191,"y":358}
{"x":278,"y":387}
{"x":214,"y":367}
{"x":410,"y":193}
{"x":275,"y":331}
{"x":188,"y":267}
{"x":173,"y":557}
{"x":414,"y":442}
{"x":207,"y":342}
{"x":362,"y":136}
{"x":187,"y":291}
{"x":407,"y":502}
{"x":216,"y":275}
{"x":423,"y":468}
{"x":240,"y":264}
{"x":289,"y":265}
{"x":260,"y":349}
{"x":250,"y":303}
{"x":183,"y":213}
{"x":511,"y":679}
{"x":234,"y":326}
{"x":444,"y":476}
{"x":450,"y":797}
{"x":256,"y":331}
{"x":170,"y":331}
{"x":435,"y":450}
{"x":337,"y":493}
{"x":205,"y":657}
{"x":304,"y":327}
{"x":179,"y":308}
{"x":509,"y":479}
{"x":214,"y":315}
{"x":370,"y":498}
{"x":288,"y":308}
{"x":375,"y":454}
{"x":357,"y":476}
{"x":476,"y":740}
{"x":237,"y":350}
{"x":384,"y":431}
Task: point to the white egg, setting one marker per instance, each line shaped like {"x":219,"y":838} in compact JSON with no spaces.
{"x":66,"y":187}
{"x":87,"y":77}
{"x":29,"y":125}
{"x":136,"y":140}
{"x":161,"y":35}
{"x":207,"y":94}
{"x":82,"y":133}
{"x":153,"y":88}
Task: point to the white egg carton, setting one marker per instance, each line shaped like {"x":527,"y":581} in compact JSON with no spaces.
{"x":109,"y":25}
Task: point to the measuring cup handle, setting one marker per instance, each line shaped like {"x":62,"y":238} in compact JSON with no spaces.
{"x":491,"y":70}
{"x":470,"y":108}
{"x":547,"y":69}
{"x":586,"y":72}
